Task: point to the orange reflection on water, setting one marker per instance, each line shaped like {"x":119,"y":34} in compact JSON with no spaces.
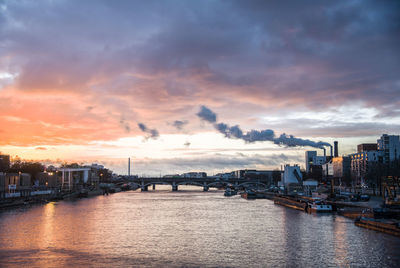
{"x":340,"y":243}
{"x":47,"y":226}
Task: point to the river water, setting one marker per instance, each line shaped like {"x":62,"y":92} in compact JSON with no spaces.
{"x":188,"y":228}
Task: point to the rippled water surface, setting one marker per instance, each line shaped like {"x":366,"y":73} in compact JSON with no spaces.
{"x":188,"y":228}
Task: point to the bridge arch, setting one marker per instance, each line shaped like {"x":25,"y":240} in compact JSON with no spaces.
{"x":135,"y":184}
{"x":217,"y":183}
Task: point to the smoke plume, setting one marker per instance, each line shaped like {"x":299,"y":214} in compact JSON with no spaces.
{"x":235,"y":132}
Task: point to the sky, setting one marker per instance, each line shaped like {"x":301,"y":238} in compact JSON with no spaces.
{"x":182,"y":86}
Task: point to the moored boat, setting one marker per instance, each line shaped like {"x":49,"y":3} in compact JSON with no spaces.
{"x":230,"y":192}
{"x":354,"y":212}
{"x":385,"y":226}
{"x":317,"y":206}
{"x":290,"y":202}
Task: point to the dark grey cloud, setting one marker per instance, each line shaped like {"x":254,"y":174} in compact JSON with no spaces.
{"x":152,"y":133}
{"x":335,"y":128}
{"x":207,"y":115}
{"x":256,"y":135}
{"x":179,"y":124}
{"x":287,"y":54}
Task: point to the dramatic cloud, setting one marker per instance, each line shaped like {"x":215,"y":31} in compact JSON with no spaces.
{"x":256,"y":135}
{"x":179,"y":124}
{"x":84,"y":71}
{"x":152,"y":133}
{"x":207,"y":115}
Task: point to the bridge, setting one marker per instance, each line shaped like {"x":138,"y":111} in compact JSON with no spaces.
{"x":206,"y":182}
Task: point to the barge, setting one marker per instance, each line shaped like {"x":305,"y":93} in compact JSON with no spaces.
{"x":291,"y":202}
{"x":317,"y":206}
{"x":353,"y":212}
{"x":385,"y":226}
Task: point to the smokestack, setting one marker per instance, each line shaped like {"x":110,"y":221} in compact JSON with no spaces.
{"x":129,"y":166}
{"x":336,"y":148}
{"x":324,"y":152}
{"x":331,"y":151}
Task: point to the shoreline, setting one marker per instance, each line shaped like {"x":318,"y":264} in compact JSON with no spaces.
{"x":25,"y":202}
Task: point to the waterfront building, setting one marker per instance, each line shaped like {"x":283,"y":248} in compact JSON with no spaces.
{"x":224,"y":176}
{"x":2,"y":185}
{"x":365,"y":147}
{"x":310,"y":186}
{"x":315,"y":172}
{"x":390,"y":147}
{"x":363,"y":162}
{"x":71,"y":178}
{"x":96,"y":175}
{"x":341,"y":167}
{"x":17,"y":184}
{"x":327,"y":169}
{"x":238,"y":174}
{"x":47,"y":179}
{"x":312,"y":159}
{"x":4,"y":163}
{"x":269,"y":177}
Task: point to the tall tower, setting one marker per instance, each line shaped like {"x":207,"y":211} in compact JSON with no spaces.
{"x":336,"y":148}
{"x":129,"y":166}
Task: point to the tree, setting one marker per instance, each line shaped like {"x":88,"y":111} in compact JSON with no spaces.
{"x":105,"y":175}
{"x":32,"y":168}
{"x":72,"y":165}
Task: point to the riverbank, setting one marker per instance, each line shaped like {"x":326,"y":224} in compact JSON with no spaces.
{"x":44,"y":199}
{"x":188,"y":228}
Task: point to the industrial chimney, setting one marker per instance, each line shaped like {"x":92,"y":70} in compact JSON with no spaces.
{"x":331,"y":151}
{"x":336,"y":148}
{"x":129,"y":166}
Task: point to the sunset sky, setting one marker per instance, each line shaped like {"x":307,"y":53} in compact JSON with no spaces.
{"x":101,"y":81}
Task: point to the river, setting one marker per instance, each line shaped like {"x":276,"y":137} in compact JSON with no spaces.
{"x":188,"y":228}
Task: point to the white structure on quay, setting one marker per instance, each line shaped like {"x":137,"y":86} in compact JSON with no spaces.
{"x":292,"y":174}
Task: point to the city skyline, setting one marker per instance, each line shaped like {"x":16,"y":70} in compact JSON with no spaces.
{"x":103,"y":81}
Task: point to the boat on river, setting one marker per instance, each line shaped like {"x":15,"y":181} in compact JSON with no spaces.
{"x":386,"y":226}
{"x":318,"y":206}
{"x":230,"y":192}
{"x":354,"y":212}
{"x":291,"y":202}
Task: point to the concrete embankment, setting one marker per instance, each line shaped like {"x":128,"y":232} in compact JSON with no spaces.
{"x":43,"y":199}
